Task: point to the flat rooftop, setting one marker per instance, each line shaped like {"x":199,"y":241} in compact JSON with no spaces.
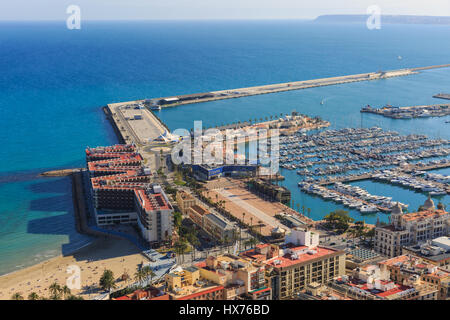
{"x":287,"y":261}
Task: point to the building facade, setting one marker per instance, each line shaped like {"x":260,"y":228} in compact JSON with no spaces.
{"x":185,"y":201}
{"x":290,"y":268}
{"x":411,"y":228}
{"x":122,"y":192}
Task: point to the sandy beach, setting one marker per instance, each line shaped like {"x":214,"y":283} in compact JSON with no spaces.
{"x":114,"y":254}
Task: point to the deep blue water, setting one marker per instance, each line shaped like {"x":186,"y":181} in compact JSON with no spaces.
{"x":53,"y":82}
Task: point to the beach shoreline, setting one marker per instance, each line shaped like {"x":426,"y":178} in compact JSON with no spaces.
{"x":117,"y":255}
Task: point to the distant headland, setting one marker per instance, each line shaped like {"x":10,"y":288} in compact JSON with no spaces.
{"x":393,"y":19}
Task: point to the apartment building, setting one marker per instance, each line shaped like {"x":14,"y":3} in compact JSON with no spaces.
{"x":155,"y":214}
{"x":225,"y":277}
{"x":291,"y":267}
{"x":239,"y":276}
{"x":196,"y":214}
{"x":436,"y":251}
{"x":187,"y":284}
{"x":407,"y":269}
{"x":215,"y":225}
{"x":411,"y":228}
{"x":122,"y":192}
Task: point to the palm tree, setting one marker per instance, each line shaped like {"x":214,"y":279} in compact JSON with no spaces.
{"x":17,"y":296}
{"x":55,"y":290}
{"x":260,"y":227}
{"x":65,"y":291}
{"x":73,"y":297}
{"x":251,"y":242}
{"x":33,"y":296}
{"x":194,"y":242}
{"x":240,"y":236}
{"x":139,"y":276}
{"x":148,"y":273}
{"x":220,"y":241}
{"x":227,"y":240}
{"x":107,"y":281}
{"x":180,"y":248}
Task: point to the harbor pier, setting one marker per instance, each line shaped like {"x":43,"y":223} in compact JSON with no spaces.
{"x":173,"y":101}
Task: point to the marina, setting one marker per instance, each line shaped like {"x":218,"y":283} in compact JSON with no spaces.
{"x":419,"y":181}
{"x":352,"y":197}
{"x":328,"y":159}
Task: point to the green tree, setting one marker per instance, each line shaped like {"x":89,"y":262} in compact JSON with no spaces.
{"x":148,"y":273}
{"x":107,"y":281}
{"x":17,"y":296}
{"x":140,"y":275}
{"x":65,"y":291}
{"x":177,"y":219}
{"x":180,"y":248}
{"x":338,"y":220}
{"x":251,"y":242}
{"x":33,"y":296}
{"x":74,"y":297}
{"x":441,"y":206}
{"x":55,"y":291}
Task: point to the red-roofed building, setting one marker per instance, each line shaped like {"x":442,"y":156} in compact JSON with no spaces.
{"x":290,"y":268}
{"x":150,"y":294}
{"x":214,"y":293}
{"x":122,"y":192}
{"x":407,"y":269}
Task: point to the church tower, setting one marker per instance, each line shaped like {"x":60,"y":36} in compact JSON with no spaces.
{"x":396,"y":215}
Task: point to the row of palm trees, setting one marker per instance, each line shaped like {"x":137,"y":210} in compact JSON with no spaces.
{"x":250,"y":121}
{"x":57,"y":292}
{"x":108,"y":282}
{"x":143,"y":274}
{"x":220,"y":205}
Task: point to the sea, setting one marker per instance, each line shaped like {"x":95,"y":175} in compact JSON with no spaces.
{"x":54,"y":81}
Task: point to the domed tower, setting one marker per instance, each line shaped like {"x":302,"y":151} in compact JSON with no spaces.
{"x":396,"y":213}
{"x":429,"y":204}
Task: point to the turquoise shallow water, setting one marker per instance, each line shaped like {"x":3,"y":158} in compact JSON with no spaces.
{"x":53,"y":82}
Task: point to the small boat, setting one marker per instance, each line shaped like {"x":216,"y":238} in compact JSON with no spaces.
{"x":155,"y":108}
{"x":368,"y":209}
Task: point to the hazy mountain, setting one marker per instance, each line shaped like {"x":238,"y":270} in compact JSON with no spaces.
{"x":398,"y":19}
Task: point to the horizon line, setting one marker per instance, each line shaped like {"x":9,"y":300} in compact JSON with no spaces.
{"x":217,"y":19}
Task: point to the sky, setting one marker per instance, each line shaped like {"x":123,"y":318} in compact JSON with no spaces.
{"x":211,"y":9}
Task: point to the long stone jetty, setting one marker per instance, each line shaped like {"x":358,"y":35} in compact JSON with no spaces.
{"x":173,"y":101}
